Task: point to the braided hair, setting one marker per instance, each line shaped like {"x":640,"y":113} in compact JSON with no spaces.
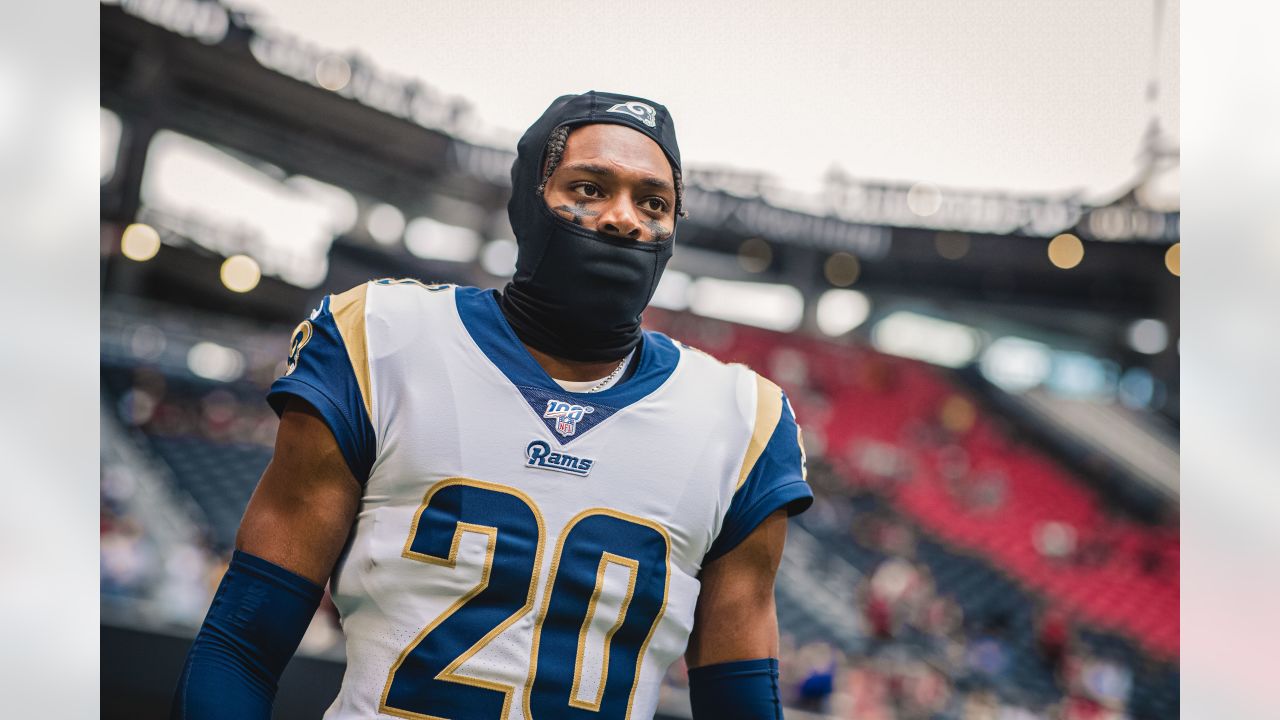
{"x":554,"y":152}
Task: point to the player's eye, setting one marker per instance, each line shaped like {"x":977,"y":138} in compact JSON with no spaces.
{"x":654,"y":204}
{"x":588,"y":189}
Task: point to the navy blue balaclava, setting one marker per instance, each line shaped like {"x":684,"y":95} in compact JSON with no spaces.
{"x":578,"y":294}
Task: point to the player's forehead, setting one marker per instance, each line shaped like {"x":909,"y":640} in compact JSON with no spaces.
{"x":617,"y":147}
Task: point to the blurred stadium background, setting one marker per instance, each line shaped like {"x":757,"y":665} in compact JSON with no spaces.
{"x":987,"y":383}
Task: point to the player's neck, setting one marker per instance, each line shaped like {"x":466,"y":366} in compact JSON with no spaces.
{"x":572,"y":370}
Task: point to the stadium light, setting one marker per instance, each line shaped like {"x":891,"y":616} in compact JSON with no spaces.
{"x":212,"y":361}
{"x":842,"y":269}
{"x":1016,"y":364}
{"x":240,"y":273}
{"x":498,"y":257}
{"x":924,"y":199}
{"x":940,"y":342}
{"x":1080,"y":375}
{"x":673,"y":291}
{"x":767,"y":305}
{"x":339,"y":204}
{"x":229,"y":205}
{"x":140,"y":242}
{"x":840,"y":311}
{"x":1137,"y":388}
{"x":147,"y":342}
{"x":385,"y":223}
{"x":1173,"y":259}
{"x":1066,"y":251}
{"x":431,"y":239}
{"x":333,"y":72}
{"x":1148,"y":336}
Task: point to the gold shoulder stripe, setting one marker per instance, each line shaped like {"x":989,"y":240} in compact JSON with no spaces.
{"x":348,"y":314}
{"x":768,"y":413}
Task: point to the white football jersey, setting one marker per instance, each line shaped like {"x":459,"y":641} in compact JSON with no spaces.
{"x":522,"y":551}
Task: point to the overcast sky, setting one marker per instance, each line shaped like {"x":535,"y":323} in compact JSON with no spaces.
{"x":1017,"y":95}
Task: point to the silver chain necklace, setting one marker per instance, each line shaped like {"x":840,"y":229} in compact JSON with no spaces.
{"x":608,"y":379}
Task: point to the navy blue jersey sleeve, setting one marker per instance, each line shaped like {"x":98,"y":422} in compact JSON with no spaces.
{"x":329,"y":368}
{"x":773,"y":473}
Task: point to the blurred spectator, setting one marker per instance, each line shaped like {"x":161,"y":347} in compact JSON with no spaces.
{"x":981,"y":705}
{"x":1097,"y":685}
{"x":126,"y":557}
{"x":895,"y":589}
{"x":988,"y":657}
{"x":982,"y":492}
{"x":186,"y":592}
{"x":924,"y":690}
{"x":879,"y":464}
{"x":230,"y":414}
{"x":1083,"y":708}
{"x":1098,"y":546}
{"x":819,"y":661}
{"x":1053,"y":633}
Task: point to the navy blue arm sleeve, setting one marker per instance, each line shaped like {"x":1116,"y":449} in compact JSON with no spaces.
{"x":777,"y":480}
{"x":742,"y":690}
{"x":253,"y":627}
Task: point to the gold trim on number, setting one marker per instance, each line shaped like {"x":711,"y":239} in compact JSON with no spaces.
{"x":551,"y":584}
{"x":447,"y":674}
{"x":633,"y":573}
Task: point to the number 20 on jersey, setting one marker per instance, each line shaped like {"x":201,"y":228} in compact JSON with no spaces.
{"x":424,"y":683}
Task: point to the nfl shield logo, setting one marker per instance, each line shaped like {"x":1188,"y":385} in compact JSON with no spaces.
{"x":566,"y":415}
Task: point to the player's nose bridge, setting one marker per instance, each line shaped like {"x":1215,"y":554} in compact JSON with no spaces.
{"x":620,"y":215}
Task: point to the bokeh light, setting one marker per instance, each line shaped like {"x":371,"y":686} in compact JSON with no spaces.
{"x":1148,"y":336}
{"x":957,"y":414}
{"x":842,"y":269}
{"x":1173,"y":259}
{"x":215,"y":362}
{"x":840,"y":311}
{"x":240,"y":273}
{"x":673,"y":291}
{"x":498,"y":257}
{"x":924,"y":199}
{"x":385,"y":223}
{"x":1066,"y":251}
{"x":140,"y":242}
{"x":333,"y":72}
{"x":434,"y":240}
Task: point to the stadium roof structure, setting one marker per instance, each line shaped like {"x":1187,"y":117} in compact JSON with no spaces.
{"x":204,"y":70}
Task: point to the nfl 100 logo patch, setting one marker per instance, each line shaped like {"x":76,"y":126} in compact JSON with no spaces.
{"x":567,"y":415}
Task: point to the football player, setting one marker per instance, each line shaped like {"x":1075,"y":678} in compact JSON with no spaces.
{"x":525,"y":505}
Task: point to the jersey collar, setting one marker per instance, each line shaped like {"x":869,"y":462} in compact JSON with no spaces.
{"x":482,"y":317}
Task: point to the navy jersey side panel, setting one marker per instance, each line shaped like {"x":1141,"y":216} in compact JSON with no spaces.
{"x":328,"y":368}
{"x":776,"y":480}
